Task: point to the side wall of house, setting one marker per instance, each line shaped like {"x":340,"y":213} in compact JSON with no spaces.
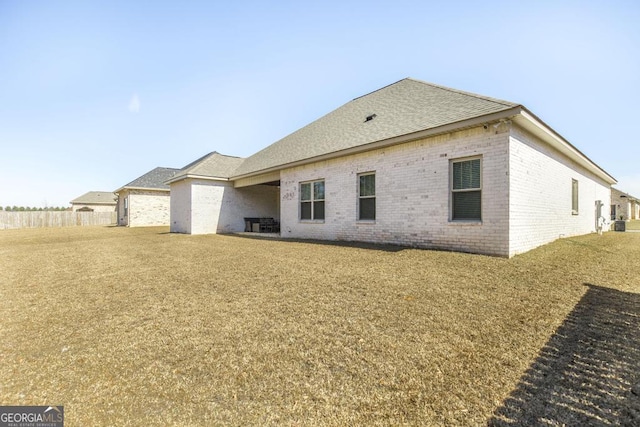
{"x":541,"y":194}
{"x":201,"y":206}
{"x":180,"y":207}
{"x":122,"y":218}
{"x":206,"y":201}
{"x":148,"y":208}
{"x":413,"y":194}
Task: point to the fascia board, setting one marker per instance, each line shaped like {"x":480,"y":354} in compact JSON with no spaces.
{"x":191,"y":176}
{"x":532,"y":123}
{"x":144,"y":188}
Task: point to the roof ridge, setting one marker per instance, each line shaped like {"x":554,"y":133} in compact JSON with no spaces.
{"x":213,"y":158}
{"x":449,"y":89}
{"x":462,"y":92}
{"x":203,"y":158}
{"x":196,"y":161}
{"x":228,"y":155}
{"x":384,"y":87}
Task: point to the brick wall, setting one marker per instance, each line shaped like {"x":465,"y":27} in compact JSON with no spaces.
{"x":180,"y":207}
{"x":207,"y":207}
{"x":412,"y":194}
{"x":239,"y":203}
{"x":206,"y":200}
{"x":540,"y":194}
{"x":526,"y":196}
{"x":122,"y":218}
{"x":147,"y":208}
{"x":624,"y":207}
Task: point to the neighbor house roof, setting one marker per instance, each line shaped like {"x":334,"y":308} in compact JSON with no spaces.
{"x":403,"y":111}
{"x":96,"y":198}
{"x":152,"y":180}
{"x":618,"y":193}
{"x":210,"y":166}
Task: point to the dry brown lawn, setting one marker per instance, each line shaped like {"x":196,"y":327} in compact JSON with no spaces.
{"x":141,"y":327}
{"x":634,"y":224}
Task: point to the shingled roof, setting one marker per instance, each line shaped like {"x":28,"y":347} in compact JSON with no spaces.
{"x":154,"y":179}
{"x":402,"y":108}
{"x":212,"y":166}
{"x":96,"y":198}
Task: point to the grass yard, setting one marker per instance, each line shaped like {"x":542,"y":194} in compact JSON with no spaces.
{"x":634,"y":224}
{"x":141,"y":327}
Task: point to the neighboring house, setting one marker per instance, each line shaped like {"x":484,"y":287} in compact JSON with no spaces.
{"x":204,"y":200}
{"x":411,"y":164}
{"x":624,"y":206}
{"x":94,"y":201}
{"x":145,"y":200}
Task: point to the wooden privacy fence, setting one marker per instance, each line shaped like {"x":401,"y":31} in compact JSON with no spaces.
{"x":39,"y":219}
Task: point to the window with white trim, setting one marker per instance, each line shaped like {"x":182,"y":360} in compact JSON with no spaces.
{"x":312,"y":200}
{"x":126,"y":206}
{"x":367,"y":196}
{"x":574,"y":196}
{"x":466,"y":189}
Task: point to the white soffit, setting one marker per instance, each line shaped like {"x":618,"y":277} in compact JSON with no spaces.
{"x":530,"y":122}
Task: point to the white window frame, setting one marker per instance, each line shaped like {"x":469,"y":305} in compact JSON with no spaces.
{"x":452,"y":191}
{"x":575,"y":197}
{"x":312,"y":201}
{"x":126,"y":206}
{"x":360,"y":197}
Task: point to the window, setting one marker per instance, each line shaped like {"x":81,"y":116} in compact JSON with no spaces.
{"x":613,"y":212}
{"x":312,"y":200}
{"x":126,"y":206}
{"x":574,"y":197}
{"x":466,"y":190}
{"x":367,"y":197}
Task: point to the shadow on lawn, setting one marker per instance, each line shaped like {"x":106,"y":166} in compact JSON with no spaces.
{"x":343,"y":243}
{"x":588,"y":373}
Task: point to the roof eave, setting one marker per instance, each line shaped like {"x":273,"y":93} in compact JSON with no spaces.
{"x":194,"y":176}
{"x":400,"y":139}
{"x":73,"y":202}
{"x":126,"y":187}
{"x":532,"y":123}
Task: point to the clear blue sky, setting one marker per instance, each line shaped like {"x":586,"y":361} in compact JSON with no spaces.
{"x":95,"y":93}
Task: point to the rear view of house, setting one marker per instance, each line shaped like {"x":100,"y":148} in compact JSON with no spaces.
{"x":204,"y":199}
{"x":145,"y":200}
{"x":421,"y":165}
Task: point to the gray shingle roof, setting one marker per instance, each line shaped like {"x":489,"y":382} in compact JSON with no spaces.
{"x":401,"y":108}
{"x":96,"y":198}
{"x":212,"y":165}
{"x":155,"y":179}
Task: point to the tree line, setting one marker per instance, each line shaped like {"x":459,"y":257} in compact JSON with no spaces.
{"x":32,"y":209}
